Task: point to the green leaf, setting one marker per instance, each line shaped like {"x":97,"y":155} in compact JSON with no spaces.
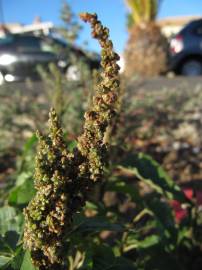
{"x":26,"y":158}
{"x":123,"y":187}
{"x":11,"y":239}
{"x":90,"y":205}
{"x":72,"y":145}
{"x":156,"y":258}
{"x":159,"y":219}
{"x":27,"y":263}
{"x":18,"y":258}
{"x":134,"y":243}
{"x":12,"y":260}
{"x":154,"y":225}
{"x":23,"y":177}
{"x":29,"y":144}
{"x":163,"y":214}
{"x":150,"y":172}
{"x":104,"y":259}
{"x":88,"y":262}
{"x":9,"y":220}
{"x":161,"y":210}
{"x":4,"y":261}
{"x":94,"y":224}
{"x":22,"y":194}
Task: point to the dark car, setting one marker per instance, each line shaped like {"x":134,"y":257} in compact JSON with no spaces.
{"x":186,"y":50}
{"x":21,"y":54}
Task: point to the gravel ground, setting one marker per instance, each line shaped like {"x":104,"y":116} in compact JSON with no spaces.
{"x":163,"y":119}
{"x":157,"y":83}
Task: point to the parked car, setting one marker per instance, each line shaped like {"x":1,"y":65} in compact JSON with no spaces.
{"x":21,"y":54}
{"x":186,"y":50}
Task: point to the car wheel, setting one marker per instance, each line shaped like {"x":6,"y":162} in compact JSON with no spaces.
{"x":73,"y":73}
{"x":1,"y":78}
{"x":192,"y":67}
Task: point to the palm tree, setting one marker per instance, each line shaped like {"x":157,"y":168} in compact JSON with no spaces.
{"x":146,"y":50}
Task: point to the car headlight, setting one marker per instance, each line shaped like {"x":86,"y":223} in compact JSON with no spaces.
{"x":62,"y":63}
{"x":176,"y":44}
{"x":7,"y":59}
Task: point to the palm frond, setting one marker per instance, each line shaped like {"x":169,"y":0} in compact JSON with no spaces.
{"x":135,"y":7}
{"x":143,"y":10}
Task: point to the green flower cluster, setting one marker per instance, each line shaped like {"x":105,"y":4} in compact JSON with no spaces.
{"x":49,"y":214}
{"x":63,"y":179}
{"x":92,"y":143}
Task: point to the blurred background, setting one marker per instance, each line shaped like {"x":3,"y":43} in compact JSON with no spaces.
{"x":40,"y":17}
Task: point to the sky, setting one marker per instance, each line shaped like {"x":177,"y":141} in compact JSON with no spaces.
{"x":111,"y":12}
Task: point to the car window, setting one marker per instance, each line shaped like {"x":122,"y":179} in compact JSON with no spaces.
{"x":46,"y":46}
{"x":5,"y":40}
{"x":196,"y":27}
{"x":198,"y":30}
{"x":27,"y":44}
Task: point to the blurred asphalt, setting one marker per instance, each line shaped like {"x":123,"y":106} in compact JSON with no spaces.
{"x":153,"y":84}
{"x":34,"y":87}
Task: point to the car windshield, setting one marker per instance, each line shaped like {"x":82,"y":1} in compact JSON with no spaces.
{"x":27,"y":43}
{"x":7,"y":39}
{"x":59,"y":39}
{"x":191,"y":26}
